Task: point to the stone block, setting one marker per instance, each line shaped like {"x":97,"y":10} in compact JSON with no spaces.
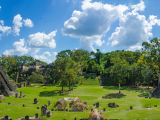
{"x":2,"y":97}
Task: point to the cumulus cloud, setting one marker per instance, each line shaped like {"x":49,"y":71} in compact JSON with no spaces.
{"x":17,"y":21}
{"x":41,"y":40}
{"x":23,"y":47}
{"x":138,"y":7}
{"x":28,"y":23}
{"x":47,"y":54}
{"x":43,"y":57}
{"x":137,"y":46}
{"x":92,"y":22}
{"x":134,"y":29}
{"x":4,"y":29}
{"x":19,"y":47}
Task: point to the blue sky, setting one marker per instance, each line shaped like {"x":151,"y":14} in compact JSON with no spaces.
{"x":43,"y":28}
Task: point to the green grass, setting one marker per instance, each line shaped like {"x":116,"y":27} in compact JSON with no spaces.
{"x":89,"y":93}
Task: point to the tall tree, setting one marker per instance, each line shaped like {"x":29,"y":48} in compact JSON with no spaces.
{"x":17,"y":65}
{"x":59,"y":66}
{"x":65,"y":54}
{"x":119,"y":70}
{"x":154,"y":47}
{"x":147,"y":74}
{"x":134,"y":70}
{"x":81,"y":57}
{"x":8,"y":62}
{"x":71,"y":68}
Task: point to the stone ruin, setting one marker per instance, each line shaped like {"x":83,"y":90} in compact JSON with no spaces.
{"x":112,"y":105}
{"x":96,"y":115}
{"x":156,"y":92}
{"x":45,"y":111}
{"x":7,"y":86}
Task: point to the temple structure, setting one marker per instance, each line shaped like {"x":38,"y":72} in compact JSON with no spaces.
{"x":7,"y":86}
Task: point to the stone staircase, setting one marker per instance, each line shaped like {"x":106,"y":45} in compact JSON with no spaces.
{"x":9,"y":88}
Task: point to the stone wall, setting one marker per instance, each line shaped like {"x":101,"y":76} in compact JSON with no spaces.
{"x":23,"y":84}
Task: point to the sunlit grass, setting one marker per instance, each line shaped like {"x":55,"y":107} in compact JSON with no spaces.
{"x":87,"y":93}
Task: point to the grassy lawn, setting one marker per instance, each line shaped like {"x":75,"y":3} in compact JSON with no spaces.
{"x":89,"y":93}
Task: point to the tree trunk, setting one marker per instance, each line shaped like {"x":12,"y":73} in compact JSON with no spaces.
{"x":62,"y":84}
{"x":119,"y":87}
{"x":54,"y":80}
{"x":132,"y":79}
{"x":153,"y":84}
{"x":17,"y":75}
{"x":148,"y":85}
{"x":69,"y":84}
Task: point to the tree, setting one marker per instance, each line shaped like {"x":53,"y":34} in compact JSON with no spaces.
{"x":65,"y":54}
{"x":8,"y":62}
{"x":134,"y":70}
{"x":71,"y":69}
{"x":59,"y":66}
{"x":119,"y":70}
{"x":36,"y":77}
{"x":17,"y":64}
{"x":154,"y":47}
{"x":150,"y":61}
{"x":81,"y":57}
{"x":147,"y":74}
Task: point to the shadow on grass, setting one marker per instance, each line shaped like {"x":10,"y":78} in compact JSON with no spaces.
{"x":53,"y":93}
{"x":113,"y":95}
{"x":143,"y":94}
{"x":136,"y":89}
{"x":115,"y":87}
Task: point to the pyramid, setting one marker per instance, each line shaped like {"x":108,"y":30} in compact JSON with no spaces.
{"x":7,"y":86}
{"x":156,"y":92}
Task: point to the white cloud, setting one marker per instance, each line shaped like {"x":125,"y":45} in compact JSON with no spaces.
{"x":92,"y":22}
{"x":42,"y":58}
{"x":0,"y":7}
{"x":17,"y":21}
{"x":28,"y":23}
{"x":2,"y":22}
{"x":138,"y":46}
{"x":47,"y":54}
{"x":138,"y":7}
{"x":134,"y":29}
{"x":54,"y":55}
{"x":4,"y":29}
{"x":41,"y":40}
{"x":20,"y":48}
{"x":153,"y":20}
